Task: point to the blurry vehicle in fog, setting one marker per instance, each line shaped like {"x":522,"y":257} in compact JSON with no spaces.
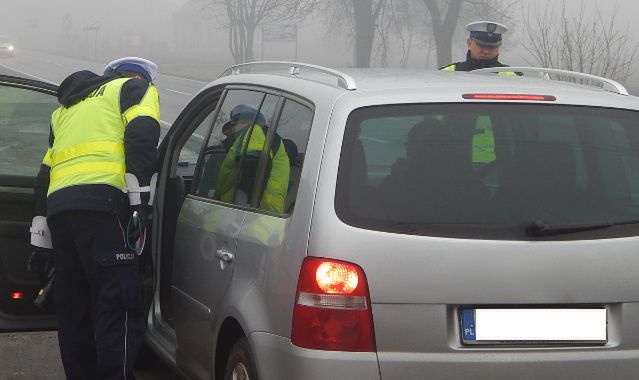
{"x":7,"y":48}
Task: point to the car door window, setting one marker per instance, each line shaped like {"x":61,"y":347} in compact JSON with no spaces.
{"x":24,"y":129}
{"x":292,"y":131}
{"x":221,"y":163}
{"x":191,"y":149}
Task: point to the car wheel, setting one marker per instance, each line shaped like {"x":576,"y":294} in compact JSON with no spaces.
{"x":240,"y":365}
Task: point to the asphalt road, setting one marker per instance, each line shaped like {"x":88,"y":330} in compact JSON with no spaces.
{"x":174,"y":92}
{"x":35,"y":355}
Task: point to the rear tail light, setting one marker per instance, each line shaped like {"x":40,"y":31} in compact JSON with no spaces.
{"x":332,"y":307}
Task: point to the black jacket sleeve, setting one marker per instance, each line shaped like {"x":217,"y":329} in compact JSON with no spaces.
{"x":142,"y":133}
{"x":42,"y":183}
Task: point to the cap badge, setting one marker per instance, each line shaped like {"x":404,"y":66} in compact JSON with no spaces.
{"x":491,"y":28}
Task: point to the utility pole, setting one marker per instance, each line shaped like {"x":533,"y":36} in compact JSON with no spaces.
{"x":88,"y":29}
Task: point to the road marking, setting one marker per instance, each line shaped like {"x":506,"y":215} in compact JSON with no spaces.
{"x":179,"y":92}
{"x":29,"y":75}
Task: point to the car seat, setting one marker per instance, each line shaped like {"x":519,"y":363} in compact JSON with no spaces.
{"x":434,"y":184}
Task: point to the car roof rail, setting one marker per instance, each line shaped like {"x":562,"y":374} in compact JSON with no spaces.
{"x":562,"y":75}
{"x":344,"y":81}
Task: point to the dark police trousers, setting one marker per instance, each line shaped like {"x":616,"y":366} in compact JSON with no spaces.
{"x":98,"y":296}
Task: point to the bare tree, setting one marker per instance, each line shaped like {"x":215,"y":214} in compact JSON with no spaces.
{"x":579,"y":42}
{"x":365,"y":14}
{"x":445,"y":16}
{"x":444,"y":22}
{"x":244,"y":17}
{"x":360,"y":19}
{"x":399,"y":29}
{"x":393,"y":27}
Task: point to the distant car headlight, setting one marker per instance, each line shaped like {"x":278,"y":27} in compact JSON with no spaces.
{"x":10,"y":47}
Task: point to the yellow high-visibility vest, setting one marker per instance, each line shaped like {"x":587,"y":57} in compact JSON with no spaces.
{"x":251,"y":143}
{"x":88,"y":146}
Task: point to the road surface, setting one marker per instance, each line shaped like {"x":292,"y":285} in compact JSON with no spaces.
{"x":174,"y":92}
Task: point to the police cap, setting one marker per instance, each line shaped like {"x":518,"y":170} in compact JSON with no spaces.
{"x":243,"y":112}
{"x":135,"y":64}
{"x":486,"y":33}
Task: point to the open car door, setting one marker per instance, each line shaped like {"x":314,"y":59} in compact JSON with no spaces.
{"x":25,"y":114}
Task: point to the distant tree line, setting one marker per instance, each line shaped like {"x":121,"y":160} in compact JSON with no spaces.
{"x":595,"y":44}
{"x":386,"y":32}
{"x":373,"y":25}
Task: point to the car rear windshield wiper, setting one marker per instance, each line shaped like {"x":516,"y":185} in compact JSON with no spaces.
{"x":541,"y":228}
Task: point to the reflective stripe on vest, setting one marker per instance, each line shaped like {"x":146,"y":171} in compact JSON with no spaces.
{"x":90,"y":147}
{"x":148,"y":106}
{"x":89,"y":140}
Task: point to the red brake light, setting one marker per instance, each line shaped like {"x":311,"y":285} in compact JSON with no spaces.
{"x":336,"y":278}
{"x":539,"y":98}
{"x":17,"y":295}
{"x":332,"y":308}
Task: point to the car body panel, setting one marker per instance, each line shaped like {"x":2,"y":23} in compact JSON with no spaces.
{"x":277,"y":358}
{"x":199,"y":279}
{"x":426,"y":279}
{"x":417,"y":283}
{"x":255,"y":303}
{"x":435,"y":347}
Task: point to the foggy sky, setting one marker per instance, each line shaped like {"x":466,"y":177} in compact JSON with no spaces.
{"x":140,"y":27}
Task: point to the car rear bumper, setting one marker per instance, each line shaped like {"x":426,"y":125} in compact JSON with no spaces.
{"x":277,"y":358}
{"x":428,"y":341}
{"x":506,"y":365}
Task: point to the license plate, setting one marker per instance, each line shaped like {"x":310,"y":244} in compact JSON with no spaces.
{"x":533,"y":325}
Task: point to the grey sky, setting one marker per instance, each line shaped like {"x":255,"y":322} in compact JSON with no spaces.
{"x":117,"y":27}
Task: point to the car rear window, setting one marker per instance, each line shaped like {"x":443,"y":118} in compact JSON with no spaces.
{"x":491,"y":171}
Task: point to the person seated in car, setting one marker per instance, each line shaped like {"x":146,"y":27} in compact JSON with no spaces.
{"x":247,"y":133}
{"x":540,"y":183}
{"x":434,"y":183}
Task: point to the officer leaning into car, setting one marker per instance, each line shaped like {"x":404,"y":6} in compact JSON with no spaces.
{"x":484,"y":43}
{"x":98,"y":179}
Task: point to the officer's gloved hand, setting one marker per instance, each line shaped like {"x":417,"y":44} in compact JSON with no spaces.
{"x":144,"y":214}
{"x":41,"y":261}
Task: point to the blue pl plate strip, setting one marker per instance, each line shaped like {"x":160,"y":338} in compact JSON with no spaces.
{"x":468,"y":324}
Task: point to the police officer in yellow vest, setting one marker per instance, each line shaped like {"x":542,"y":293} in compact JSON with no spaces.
{"x":247,"y":133}
{"x":484,"y":43}
{"x":100,"y":167}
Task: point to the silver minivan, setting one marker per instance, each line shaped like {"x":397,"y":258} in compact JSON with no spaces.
{"x":387,"y":224}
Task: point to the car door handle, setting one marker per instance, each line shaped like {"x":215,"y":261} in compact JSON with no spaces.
{"x":224,"y":255}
